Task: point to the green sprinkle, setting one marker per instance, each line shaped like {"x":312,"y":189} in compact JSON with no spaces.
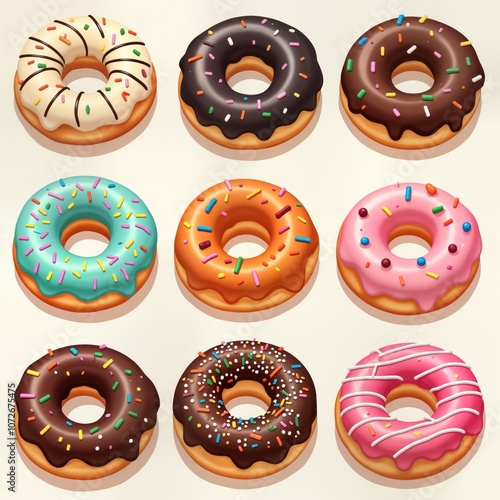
{"x":452,"y":70}
{"x":237,"y":267}
{"x":94,"y":430}
{"x":210,"y":110}
{"x":285,"y":393}
{"x":122,"y":31}
{"x":226,"y":362}
{"x":136,"y":52}
{"x":128,"y":372}
{"x":272,"y":428}
{"x":243,"y":361}
{"x":190,"y":418}
{"x":44,"y":398}
{"x":217,"y":371}
{"x":98,"y":354}
{"x":266,"y":114}
{"x":298,"y":204}
{"x":41,"y":65}
{"x":361,"y":94}
{"x":468,"y":61}
{"x":119,"y":423}
{"x":107,"y":89}
{"x":47,"y":206}
{"x":115,"y":385}
{"x":87,"y":109}
{"x":427,"y":97}
{"x":209,"y":382}
{"x":86,"y":27}
{"x":349,"y":65}
{"x":438,"y":209}
{"x":296,"y":420}
{"x":249,"y":355}
{"x":133,"y":414}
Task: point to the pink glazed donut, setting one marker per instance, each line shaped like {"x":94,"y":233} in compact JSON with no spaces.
{"x":401,"y":449}
{"x":409,"y":286}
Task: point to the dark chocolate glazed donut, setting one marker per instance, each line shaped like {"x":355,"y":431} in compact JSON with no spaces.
{"x":296,"y":76}
{"x":199,"y":403}
{"x":130,"y":398}
{"x":446,"y":55}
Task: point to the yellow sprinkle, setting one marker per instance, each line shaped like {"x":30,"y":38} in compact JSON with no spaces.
{"x":128,"y":215}
{"x":464,"y":44}
{"x":301,"y":219}
{"x":210,"y":32}
{"x":68,"y":447}
{"x":46,"y":222}
{"x":72,"y":19}
{"x":80,"y":434}
{"x":49,"y":276}
{"x":456,"y":375}
{"x":77,"y":274}
{"x":67,"y":373}
{"x":117,"y":214}
{"x":105,"y":193}
{"x":66,"y":259}
{"x":120,"y":202}
{"x":102,"y":47}
{"x":60,"y":439}
{"x":129,"y":244}
{"x":431,"y":33}
{"x":277,"y":269}
{"x":388,"y":425}
{"x":42,"y":211}
{"x":36,"y":102}
{"x":73,"y":194}
{"x":296,"y":94}
{"x":386,"y":210}
{"x":416,"y":433}
{"x":382,"y":51}
{"x":101,"y":265}
{"x":254,"y":193}
{"x":29,"y":225}
{"x":187,"y":224}
{"x":84,"y":266}
{"x":71,"y":205}
{"x":221,"y":275}
{"x":432,"y":275}
{"x":135,"y":253}
{"x":422,"y":19}
{"x":390,"y":94}
{"x":115,"y":279}
{"x":233,"y":424}
{"x":226,"y":197}
{"x":44,"y":430}
{"x":140,"y":216}
{"x":33,"y":373}
{"x":108,"y":363}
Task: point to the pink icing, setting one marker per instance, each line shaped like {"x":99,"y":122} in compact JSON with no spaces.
{"x":459,"y":407}
{"x":404,"y":278}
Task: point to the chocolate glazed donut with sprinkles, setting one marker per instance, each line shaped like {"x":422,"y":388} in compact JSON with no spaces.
{"x":245,"y":448}
{"x":411,"y":120}
{"x":236,"y":120}
{"x":74,"y":450}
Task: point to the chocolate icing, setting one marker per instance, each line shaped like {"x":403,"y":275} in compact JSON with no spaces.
{"x":102,"y":441}
{"x":411,"y":39}
{"x":288,"y":51}
{"x":198,"y":402}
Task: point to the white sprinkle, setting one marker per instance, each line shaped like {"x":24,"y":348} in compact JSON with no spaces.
{"x":276,"y":32}
{"x":230,"y":41}
{"x":412,"y":49}
{"x":477,"y":78}
{"x":285,"y":111}
{"x":227,"y":117}
{"x":292,"y":30}
{"x":97,"y":448}
{"x":427,"y":112}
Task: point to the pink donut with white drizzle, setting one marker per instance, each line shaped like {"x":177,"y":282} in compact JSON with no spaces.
{"x":401,"y":449}
{"x":406,"y":285}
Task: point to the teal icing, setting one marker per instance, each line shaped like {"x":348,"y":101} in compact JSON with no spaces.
{"x":41,"y":255}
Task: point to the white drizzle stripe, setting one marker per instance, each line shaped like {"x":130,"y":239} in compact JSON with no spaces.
{"x":399,"y":360}
{"x":368,"y":420}
{"x":426,"y":439}
{"x":458,"y":395}
{"x":362,"y":393}
{"x":456,"y":382}
{"x":436,"y":368}
{"x":401,"y":348}
{"x":368,"y":377}
{"x":424,"y":424}
{"x":363,"y":405}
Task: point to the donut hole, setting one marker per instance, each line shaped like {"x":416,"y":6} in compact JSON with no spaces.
{"x":249,"y":76}
{"x":85,"y":74}
{"x":245,"y":239}
{"x":410,"y":242}
{"x":409,"y":403}
{"x":412,"y":77}
{"x":85,"y":238}
{"x":84,"y":405}
{"x":246,"y":399}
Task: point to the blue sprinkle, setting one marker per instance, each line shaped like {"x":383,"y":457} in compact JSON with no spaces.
{"x":202,"y":400}
{"x":129,"y":398}
{"x":408,"y":193}
{"x":421,"y":261}
{"x":400,"y":19}
{"x":240,"y":421}
{"x":73,"y":351}
{"x":275,"y":381}
{"x":61,"y":181}
{"x":362,"y":41}
{"x":69,"y":423}
{"x":255,"y":445}
{"x":211,"y":204}
{"x":111,"y":186}
{"x":296,"y":366}
{"x":215,"y":355}
{"x":245,"y":98}
{"x":206,"y":229}
{"x":303,"y":239}
{"x":217,"y":439}
{"x":466,"y":226}
{"x":364,"y":241}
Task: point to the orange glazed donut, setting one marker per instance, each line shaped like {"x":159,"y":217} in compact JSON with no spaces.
{"x":242,"y":448}
{"x":251,"y":207}
{"x":87,"y":42}
{"x":74,"y":450}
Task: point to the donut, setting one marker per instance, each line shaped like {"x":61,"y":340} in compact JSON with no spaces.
{"x":401,"y":119}
{"x":245,"y":207}
{"x":77,"y":117}
{"x":74,"y":205}
{"x":250,"y":121}
{"x":401,"y":449}
{"x":241,"y":448}
{"x":74,"y":450}
{"x":407,"y":285}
